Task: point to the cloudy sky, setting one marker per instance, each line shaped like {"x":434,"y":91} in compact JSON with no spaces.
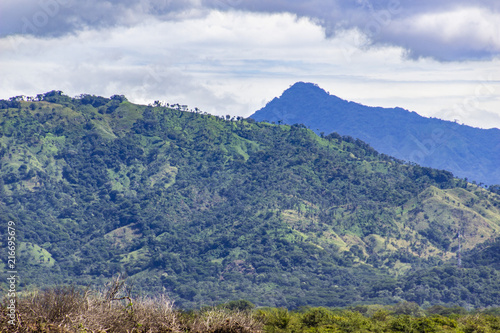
{"x":438,"y":58}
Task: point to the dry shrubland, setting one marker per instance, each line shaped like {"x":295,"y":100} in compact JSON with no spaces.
{"x":66,"y":309}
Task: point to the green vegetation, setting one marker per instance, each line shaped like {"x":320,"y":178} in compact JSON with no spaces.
{"x":211,"y":210}
{"x":403,"y":317}
{"x":466,"y":151}
{"x":66,"y":309}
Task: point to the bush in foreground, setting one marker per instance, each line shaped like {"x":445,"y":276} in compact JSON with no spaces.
{"x":384,"y":319}
{"x":66,"y":309}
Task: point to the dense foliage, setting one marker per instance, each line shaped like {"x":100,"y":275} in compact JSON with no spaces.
{"x":212,"y":210}
{"x":466,"y":151}
{"x":403,"y":317}
{"x":63,"y":309}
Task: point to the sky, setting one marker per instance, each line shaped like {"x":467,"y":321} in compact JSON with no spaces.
{"x":437,"y":58}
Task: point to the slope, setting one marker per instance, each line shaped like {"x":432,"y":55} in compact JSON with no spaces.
{"x":211,"y":210}
{"x":468,"y":152}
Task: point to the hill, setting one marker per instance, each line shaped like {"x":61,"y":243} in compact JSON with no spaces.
{"x":468,"y":152}
{"x":212,"y":210}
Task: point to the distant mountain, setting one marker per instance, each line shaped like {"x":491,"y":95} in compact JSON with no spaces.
{"x":210,"y":210}
{"x":468,"y":152}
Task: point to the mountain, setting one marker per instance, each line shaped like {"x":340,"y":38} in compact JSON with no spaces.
{"x":210,"y":210}
{"x":468,"y":152}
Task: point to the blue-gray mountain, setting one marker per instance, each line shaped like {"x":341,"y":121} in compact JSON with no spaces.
{"x":466,"y":151}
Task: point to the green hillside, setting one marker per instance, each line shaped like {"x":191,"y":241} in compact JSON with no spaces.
{"x":466,"y":151}
{"x":212,"y":210}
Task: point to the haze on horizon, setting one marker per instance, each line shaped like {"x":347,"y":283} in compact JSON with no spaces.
{"x":233,"y":56}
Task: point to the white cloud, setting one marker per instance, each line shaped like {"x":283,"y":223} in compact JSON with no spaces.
{"x":234,"y":62}
{"x":456,"y":34}
{"x":461,"y":24}
{"x":447,"y":30}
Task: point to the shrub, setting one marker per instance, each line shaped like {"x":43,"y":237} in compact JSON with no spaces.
{"x":66,"y":309}
{"x":315,"y":316}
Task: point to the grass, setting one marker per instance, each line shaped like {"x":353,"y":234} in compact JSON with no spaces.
{"x":113,"y":309}
{"x":134,"y":256}
{"x":66,"y":309}
{"x":35,"y":255}
{"x":165,"y":175}
{"x":122,"y":236}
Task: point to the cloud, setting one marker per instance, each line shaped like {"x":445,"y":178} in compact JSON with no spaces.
{"x":233,"y":62}
{"x":460,"y":34}
{"x":446,"y":30}
{"x":205,"y":61}
{"x":60,"y":17}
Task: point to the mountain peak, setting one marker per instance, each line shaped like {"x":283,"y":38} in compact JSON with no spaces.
{"x":305,"y":88}
{"x":392,"y":131}
{"x":305,"y":85}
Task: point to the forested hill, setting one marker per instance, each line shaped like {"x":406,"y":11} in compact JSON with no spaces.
{"x":211,"y":210}
{"x":466,"y":151}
